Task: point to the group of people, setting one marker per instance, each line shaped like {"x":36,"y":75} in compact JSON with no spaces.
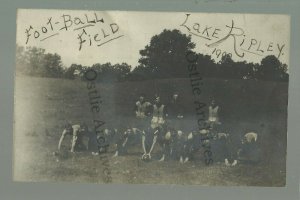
{"x":164,"y":124}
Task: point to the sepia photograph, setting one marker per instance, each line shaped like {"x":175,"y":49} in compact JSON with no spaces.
{"x":134,"y":97}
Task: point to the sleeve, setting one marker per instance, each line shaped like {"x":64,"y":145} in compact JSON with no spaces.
{"x":166,"y":111}
{"x":74,"y":139}
{"x":180,"y":109}
{"x":150,"y":110}
{"x":135,"y":107}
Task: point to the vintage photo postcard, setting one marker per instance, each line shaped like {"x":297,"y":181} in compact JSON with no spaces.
{"x":151,"y":97}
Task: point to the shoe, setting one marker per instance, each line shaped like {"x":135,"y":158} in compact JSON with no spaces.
{"x":181,"y":159}
{"x":116,"y":154}
{"x":186,"y":160}
{"x":162,"y":158}
{"x":234,"y":163}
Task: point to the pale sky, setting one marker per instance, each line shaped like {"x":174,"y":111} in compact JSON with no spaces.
{"x":256,"y":35}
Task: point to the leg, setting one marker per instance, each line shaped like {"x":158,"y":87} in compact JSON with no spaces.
{"x":164,"y":153}
{"x":61,"y":139}
{"x":144,"y":143}
{"x":74,"y":142}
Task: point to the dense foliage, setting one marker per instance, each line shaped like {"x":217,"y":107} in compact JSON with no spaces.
{"x":164,"y":57}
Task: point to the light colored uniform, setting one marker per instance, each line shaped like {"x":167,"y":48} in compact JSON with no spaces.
{"x":158,"y":116}
{"x":213,"y":117}
{"x":141,"y":109}
{"x":213,"y":114}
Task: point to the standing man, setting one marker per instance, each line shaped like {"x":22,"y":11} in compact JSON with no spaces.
{"x":175,"y":107}
{"x":213,"y":115}
{"x":125,"y":139}
{"x":175,"y":126}
{"x":156,"y":130}
{"x":159,"y":114}
{"x":142,"y":111}
{"x":77,"y":132}
{"x":175,"y":114}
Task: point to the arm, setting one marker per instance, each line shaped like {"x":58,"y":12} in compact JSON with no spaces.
{"x":218,"y":115}
{"x":74,"y":140}
{"x":209,"y":113}
{"x":143,"y":143}
{"x":62,"y":138}
{"x":135,"y":107}
{"x":180,"y":111}
{"x":166,"y":111}
{"x":124,"y":143}
{"x":149,"y":109}
{"x":152,"y":146}
{"x":154,"y":142}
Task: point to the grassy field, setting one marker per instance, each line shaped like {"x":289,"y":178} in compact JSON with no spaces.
{"x":43,"y":106}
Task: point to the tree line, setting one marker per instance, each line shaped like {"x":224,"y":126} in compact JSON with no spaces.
{"x":35,"y":61}
{"x":164,"y":57}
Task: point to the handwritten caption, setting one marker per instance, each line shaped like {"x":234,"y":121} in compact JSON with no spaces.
{"x":241,"y":43}
{"x":103,"y":32}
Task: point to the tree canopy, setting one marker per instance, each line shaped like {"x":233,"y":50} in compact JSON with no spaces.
{"x":163,"y":57}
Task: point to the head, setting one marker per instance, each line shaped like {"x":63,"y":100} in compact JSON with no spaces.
{"x":128,"y":130}
{"x":106,"y":131}
{"x":142,"y":98}
{"x":249,"y":138}
{"x":83,"y":127}
{"x":206,"y":142}
{"x":134,"y":130}
{"x":179,"y":133}
{"x":68,"y":128}
{"x":115,"y":130}
{"x":245,"y":141}
{"x":175,"y":95}
{"x":168,"y":135}
{"x":157,"y":100}
{"x":222,"y":136}
{"x":213,"y":102}
{"x":203,"y":131}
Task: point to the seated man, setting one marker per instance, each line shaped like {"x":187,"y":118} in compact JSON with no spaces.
{"x":178,"y":148}
{"x":165,"y":140}
{"x":249,"y":151}
{"x":223,"y":149}
{"x":127,"y":138}
{"x":195,"y":141}
{"x":99,"y":143}
{"x":77,"y":132}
